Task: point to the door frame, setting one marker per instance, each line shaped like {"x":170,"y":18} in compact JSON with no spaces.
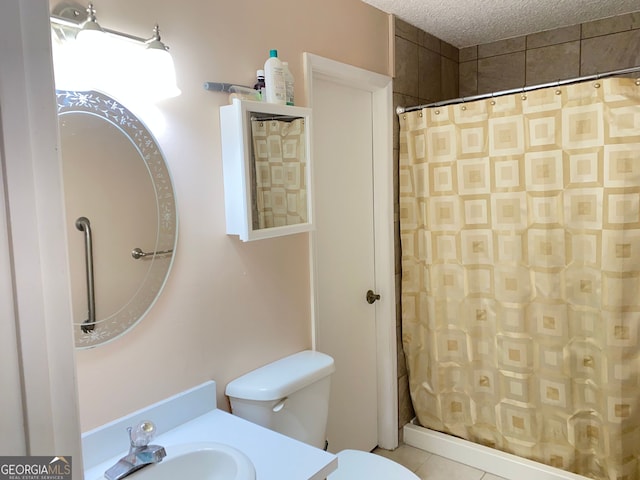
{"x":35,"y":291}
{"x":381,"y":90}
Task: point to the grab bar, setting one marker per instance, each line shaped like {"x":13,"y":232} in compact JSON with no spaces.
{"x":138,"y":253}
{"x":84,"y":225}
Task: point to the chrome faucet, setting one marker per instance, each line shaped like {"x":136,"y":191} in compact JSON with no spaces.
{"x":140,"y":453}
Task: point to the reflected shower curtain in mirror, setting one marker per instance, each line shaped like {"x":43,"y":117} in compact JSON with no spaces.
{"x":280,"y":173}
{"x":520,"y":233}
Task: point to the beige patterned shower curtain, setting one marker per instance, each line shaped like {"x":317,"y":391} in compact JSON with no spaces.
{"x":520,"y":232}
{"x":280,"y":175}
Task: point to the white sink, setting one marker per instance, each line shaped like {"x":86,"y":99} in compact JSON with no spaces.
{"x":201,"y":461}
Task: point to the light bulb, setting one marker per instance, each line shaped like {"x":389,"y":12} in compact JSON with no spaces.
{"x":160,"y":73}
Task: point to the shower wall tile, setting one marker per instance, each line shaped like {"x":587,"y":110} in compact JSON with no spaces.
{"x":430,"y":74}
{"x":468,"y":78}
{"x":502,"y":47}
{"x":610,"y":52}
{"x":402,"y":364}
{"x":406,"y":31}
{"x":396,"y":223}
{"x":555,"y":62}
{"x":553,"y":37}
{"x":398,"y":291}
{"x":469,"y":53}
{"x":406,"y":67}
{"x":406,"y":412}
{"x":610,"y":25}
{"x":578,"y":50}
{"x":428,"y":41}
{"x":501,"y":72}
{"x":449,"y":51}
{"x":450,"y":79}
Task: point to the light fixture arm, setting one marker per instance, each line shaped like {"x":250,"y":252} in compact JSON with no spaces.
{"x":91,"y":23}
{"x":155,"y":41}
{"x":71,"y":17}
{"x":91,"y":13}
{"x":156,"y":33}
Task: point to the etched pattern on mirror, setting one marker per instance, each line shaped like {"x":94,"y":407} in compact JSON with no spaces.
{"x":115,"y":175}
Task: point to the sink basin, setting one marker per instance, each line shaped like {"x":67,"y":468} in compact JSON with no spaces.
{"x":202,"y":461}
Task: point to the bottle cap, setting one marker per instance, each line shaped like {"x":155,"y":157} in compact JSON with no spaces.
{"x":260,"y":73}
{"x":273,"y":53}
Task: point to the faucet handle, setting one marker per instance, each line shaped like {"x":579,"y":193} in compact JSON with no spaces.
{"x":142,"y":434}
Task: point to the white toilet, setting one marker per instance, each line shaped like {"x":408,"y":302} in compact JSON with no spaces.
{"x":291,"y":396}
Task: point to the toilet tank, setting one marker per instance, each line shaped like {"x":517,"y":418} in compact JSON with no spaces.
{"x":289,"y":396}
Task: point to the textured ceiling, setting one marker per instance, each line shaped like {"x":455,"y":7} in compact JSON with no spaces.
{"x":464,"y":23}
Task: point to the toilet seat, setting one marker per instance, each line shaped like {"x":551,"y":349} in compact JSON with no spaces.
{"x":357,"y":465}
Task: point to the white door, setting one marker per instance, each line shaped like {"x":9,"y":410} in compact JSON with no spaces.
{"x":348,"y":257}
{"x":345,"y":252}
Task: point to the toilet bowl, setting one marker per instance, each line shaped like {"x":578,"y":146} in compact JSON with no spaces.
{"x":291,"y":396}
{"x":358,"y":465}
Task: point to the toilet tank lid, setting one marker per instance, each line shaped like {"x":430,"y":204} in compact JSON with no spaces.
{"x":282,"y":377}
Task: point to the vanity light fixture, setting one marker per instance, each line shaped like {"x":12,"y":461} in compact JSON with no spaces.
{"x":105,"y":56}
{"x":90,"y":28}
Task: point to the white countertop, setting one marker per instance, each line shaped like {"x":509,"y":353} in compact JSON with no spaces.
{"x":274,"y":456}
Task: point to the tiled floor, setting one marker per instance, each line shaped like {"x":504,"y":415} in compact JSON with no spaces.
{"x":428,"y":466}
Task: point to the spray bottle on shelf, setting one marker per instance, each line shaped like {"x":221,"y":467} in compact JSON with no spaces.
{"x":288,"y":84}
{"x":260,"y":85}
{"x":274,"y":79}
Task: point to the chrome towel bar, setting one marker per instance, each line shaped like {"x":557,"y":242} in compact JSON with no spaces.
{"x":138,"y":253}
{"x":83,"y":224}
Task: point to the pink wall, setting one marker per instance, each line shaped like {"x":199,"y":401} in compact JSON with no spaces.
{"x":228,"y":306}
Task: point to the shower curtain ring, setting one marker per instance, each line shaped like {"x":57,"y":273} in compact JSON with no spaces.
{"x":558,"y":91}
{"x":597,"y":84}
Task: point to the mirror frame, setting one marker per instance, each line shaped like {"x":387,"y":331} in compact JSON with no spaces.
{"x":129,"y":315}
{"x":237,"y":149}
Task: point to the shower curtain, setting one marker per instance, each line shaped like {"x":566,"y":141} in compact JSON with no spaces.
{"x":280,"y":165}
{"x":520,"y":234}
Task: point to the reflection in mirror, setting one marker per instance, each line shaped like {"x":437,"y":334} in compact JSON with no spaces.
{"x":115,"y":176}
{"x":278,"y":170}
{"x":266,"y":165}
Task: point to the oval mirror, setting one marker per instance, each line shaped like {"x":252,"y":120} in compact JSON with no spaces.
{"x":121,"y":215}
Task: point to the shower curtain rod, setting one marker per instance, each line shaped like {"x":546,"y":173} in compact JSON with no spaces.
{"x":597,"y":76}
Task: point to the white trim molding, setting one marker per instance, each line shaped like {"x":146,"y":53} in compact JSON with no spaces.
{"x":381,"y":90}
{"x":490,"y":460}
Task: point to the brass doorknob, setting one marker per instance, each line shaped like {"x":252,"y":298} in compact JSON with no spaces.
{"x":372,"y":297}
